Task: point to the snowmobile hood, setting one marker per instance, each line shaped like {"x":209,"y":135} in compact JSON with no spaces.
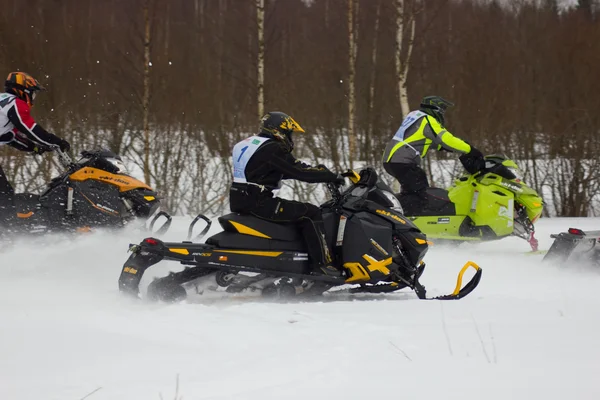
{"x":123,"y":182}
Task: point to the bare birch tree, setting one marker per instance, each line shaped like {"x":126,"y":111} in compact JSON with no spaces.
{"x":260,"y":21}
{"x":351,"y":81}
{"x":404,"y":24}
{"x":372,"y":76}
{"x":146,"y":96}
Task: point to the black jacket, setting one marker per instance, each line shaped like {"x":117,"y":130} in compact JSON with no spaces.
{"x":270,"y":164}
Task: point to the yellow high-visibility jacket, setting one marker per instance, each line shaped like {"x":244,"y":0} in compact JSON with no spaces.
{"x":415,"y":137}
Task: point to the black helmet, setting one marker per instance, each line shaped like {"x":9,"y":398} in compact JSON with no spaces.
{"x":436,"y":107}
{"x":280,"y":126}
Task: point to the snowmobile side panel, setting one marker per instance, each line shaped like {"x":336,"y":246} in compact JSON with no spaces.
{"x":367,"y":250}
{"x":144,"y":202}
{"x":253,"y":226}
{"x":237,"y":241}
{"x":439,"y":226}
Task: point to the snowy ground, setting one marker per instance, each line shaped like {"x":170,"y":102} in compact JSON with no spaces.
{"x":530,"y":331}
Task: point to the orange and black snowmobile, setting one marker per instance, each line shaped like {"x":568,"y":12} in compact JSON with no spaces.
{"x":94,"y":191}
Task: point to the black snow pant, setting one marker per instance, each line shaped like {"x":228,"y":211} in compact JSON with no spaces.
{"x":250,"y":200}
{"x":413,"y":186}
{"x":7,"y":202}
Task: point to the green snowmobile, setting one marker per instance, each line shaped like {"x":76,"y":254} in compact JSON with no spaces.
{"x":488,"y":204}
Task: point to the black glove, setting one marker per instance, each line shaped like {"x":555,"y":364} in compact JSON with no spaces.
{"x":339,"y":180}
{"x":473,"y":161}
{"x":474,"y":153}
{"x":64,"y":145}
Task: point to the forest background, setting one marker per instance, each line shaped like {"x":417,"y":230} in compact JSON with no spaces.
{"x":172,"y":85}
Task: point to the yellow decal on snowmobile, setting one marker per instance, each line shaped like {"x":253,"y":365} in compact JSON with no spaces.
{"x":149,"y":198}
{"x":24,"y":215}
{"x":378,"y":247}
{"x":130,"y":270}
{"x":123,"y":182}
{"x":360,"y":274}
{"x":392,"y":216}
{"x":179,"y":251}
{"x":357,"y":272}
{"x":380,"y":266}
{"x":246,"y":230}
{"x":421,"y":241}
{"x":461,"y":273}
{"x":252,"y":252}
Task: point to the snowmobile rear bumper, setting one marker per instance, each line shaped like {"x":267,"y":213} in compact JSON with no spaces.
{"x":574,"y":244}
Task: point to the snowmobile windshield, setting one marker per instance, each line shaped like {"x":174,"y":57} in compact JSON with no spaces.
{"x":121,"y":168}
{"x":359,"y":191}
{"x":517,"y":173}
{"x":395,"y":203}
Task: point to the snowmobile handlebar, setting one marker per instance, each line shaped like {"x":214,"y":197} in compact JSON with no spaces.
{"x":334,"y":191}
{"x":65,"y":160}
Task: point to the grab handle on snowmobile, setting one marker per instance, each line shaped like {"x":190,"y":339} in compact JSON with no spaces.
{"x":204,"y":231}
{"x":164,"y":227}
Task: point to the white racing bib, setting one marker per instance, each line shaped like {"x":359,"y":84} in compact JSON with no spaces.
{"x":408,"y":121}
{"x":6,"y":126}
{"x":242,"y":152}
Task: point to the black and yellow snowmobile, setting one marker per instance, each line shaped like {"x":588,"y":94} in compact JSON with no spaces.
{"x":94,"y":191}
{"x":378,"y":249}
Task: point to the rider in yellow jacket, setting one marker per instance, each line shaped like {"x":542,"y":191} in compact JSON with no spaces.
{"x":421,"y":130}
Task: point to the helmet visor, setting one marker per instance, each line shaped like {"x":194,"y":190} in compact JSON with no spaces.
{"x":289,"y":124}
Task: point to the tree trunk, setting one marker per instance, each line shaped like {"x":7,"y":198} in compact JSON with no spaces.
{"x":371,"y":106}
{"x":351,"y":83}
{"x":402,"y":65}
{"x":260,"y":20}
{"x":146,"y":97}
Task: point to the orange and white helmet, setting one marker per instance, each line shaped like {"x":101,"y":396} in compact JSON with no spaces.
{"x":22,"y":85}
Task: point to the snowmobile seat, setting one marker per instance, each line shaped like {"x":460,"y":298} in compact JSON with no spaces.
{"x":438,"y":202}
{"x":234,"y":240}
{"x":253,"y":226}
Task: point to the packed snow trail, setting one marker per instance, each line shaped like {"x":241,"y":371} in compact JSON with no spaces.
{"x":528,"y":331}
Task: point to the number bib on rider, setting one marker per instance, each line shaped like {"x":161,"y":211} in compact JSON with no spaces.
{"x":242,"y":152}
{"x":6,"y":101}
{"x":408,"y":121}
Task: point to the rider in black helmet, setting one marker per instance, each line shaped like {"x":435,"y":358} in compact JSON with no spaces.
{"x":260,"y":162}
{"x":421,"y":130}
